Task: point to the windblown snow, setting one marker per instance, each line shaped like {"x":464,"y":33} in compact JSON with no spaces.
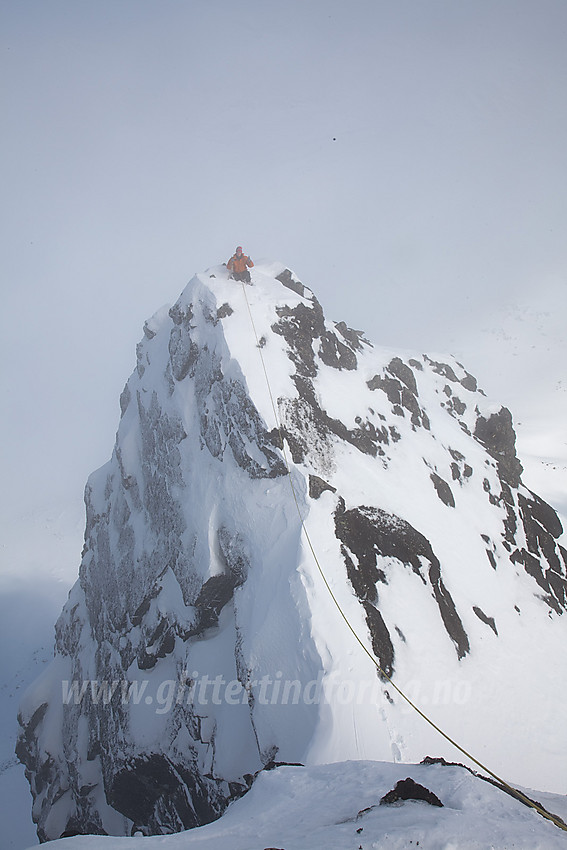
{"x":264,"y":453}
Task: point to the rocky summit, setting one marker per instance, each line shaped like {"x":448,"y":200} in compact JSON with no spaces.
{"x":265,"y":456}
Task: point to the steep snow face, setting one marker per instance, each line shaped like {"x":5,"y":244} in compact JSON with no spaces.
{"x":201,"y":643}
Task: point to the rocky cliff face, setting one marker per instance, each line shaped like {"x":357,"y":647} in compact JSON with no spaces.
{"x":200,"y":644}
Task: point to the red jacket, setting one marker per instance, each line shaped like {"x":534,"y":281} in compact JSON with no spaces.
{"x":238,"y":264}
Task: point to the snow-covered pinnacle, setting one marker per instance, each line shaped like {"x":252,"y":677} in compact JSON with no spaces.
{"x":200,"y":642}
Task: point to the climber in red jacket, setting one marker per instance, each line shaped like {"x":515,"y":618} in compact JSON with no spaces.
{"x":238,"y":266}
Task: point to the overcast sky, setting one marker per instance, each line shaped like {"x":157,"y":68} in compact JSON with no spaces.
{"x":407,"y":159}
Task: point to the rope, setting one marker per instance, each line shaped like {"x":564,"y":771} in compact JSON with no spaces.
{"x":513,"y":791}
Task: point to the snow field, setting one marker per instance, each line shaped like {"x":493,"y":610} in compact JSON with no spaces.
{"x":323,"y":807}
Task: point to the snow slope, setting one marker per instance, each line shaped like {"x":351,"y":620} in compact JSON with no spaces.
{"x":337,"y":806}
{"x":201,"y":642}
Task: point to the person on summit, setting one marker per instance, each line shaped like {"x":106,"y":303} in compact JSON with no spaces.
{"x":238,"y":266}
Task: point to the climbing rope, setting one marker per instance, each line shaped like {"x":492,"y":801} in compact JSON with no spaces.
{"x":513,"y":791}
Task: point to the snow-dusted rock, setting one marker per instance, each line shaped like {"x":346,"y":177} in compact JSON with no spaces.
{"x":200,"y":641}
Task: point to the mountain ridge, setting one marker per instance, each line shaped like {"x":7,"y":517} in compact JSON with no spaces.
{"x":194,"y":564}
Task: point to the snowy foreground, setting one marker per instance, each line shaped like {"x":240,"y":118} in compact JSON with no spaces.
{"x":337,"y":806}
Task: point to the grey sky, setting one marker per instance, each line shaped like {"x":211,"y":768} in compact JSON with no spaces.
{"x":406,"y":159}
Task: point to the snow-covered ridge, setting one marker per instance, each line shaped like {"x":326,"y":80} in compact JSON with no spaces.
{"x":200,"y":642}
{"x":330,"y":807}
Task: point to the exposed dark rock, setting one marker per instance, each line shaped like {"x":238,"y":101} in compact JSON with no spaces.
{"x":215,"y":594}
{"x":304,"y":430}
{"x":308,"y":428}
{"x":183,"y":352}
{"x":365,"y":438}
{"x":391,"y":386}
{"x":181,"y":315}
{"x":143,"y":607}
{"x":318,"y":486}
{"x":24,"y":744}
{"x":469,"y":383}
{"x":542,"y":513}
{"x":381,"y":641}
{"x":545,"y":560}
{"x":428,"y":760}
{"x":497,"y":435}
{"x":485,"y":619}
{"x":299,"y":326}
{"x":302,"y":325}
{"x":354,"y":338}
{"x":554,"y":585}
{"x":335,"y":353}
{"x":456,"y":406}
{"x":443,"y":490}
{"x":155,"y":793}
{"x":272,"y":764}
{"x":162,"y":643}
{"x":368,"y":533}
{"x":125,"y":398}
{"x":224,"y":310}
{"x":141,"y":360}
{"x":401,"y":392}
{"x":510,"y":522}
{"x":442,"y":369}
{"x":363,"y":580}
{"x":449,"y":615}
{"x":288,"y":279}
{"x":398,"y":368}
{"x":494,"y":500}
{"x":303,"y":419}
{"x":75,"y":827}
{"x":229,"y":419}
{"x":410,"y":403}
{"x":395,"y":434}
{"x":408,"y":789}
